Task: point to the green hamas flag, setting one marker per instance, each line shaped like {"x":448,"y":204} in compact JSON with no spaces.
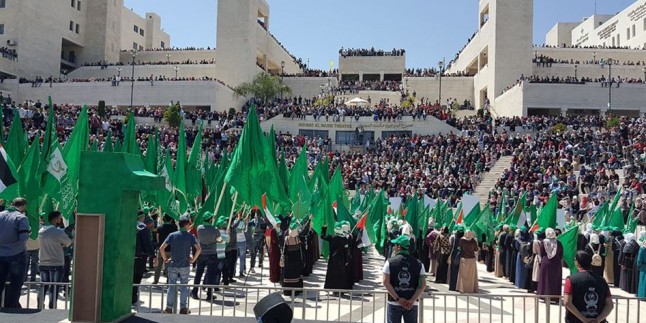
{"x":28,"y":174}
{"x":600,"y":216}
{"x":194,"y":167}
{"x":568,"y":241}
{"x":253,"y":167}
{"x":484,"y":224}
{"x":165,"y":197}
{"x":107,"y":145}
{"x":130,"y":145}
{"x":514,"y":217}
{"x":299,"y":192}
{"x":180,"y":170}
{"x":375,"y":219}
{"x":77,"y":143}
{"x":16,"y":146}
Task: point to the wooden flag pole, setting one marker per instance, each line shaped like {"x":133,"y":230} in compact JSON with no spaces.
{"x":217,"y":206}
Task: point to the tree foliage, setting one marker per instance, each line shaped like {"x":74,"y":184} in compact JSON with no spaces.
{"x":264,"y":87}
{"x":172,"y":116}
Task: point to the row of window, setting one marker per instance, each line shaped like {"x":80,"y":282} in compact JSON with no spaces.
{"x":136,"y":46}
{"x":139,"y":30}
{"x":74,"y":27}
{"x":75,"y":4}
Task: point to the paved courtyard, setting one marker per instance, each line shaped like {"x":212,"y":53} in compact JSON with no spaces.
{"x":498,"y":301}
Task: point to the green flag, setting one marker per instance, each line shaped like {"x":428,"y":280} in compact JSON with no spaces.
{"x":28,"y":175}
{"x":631,"y":223}
{"x":253,"y":167}
{"x":299,"y":191}
{"x":77,"y":143}
{"x":375,"y":219}
{"x":117,"y":146}
{"x":180,"y":170}
{"x":165,"y":198}
{"x":17,"y":145}
{"x":194,"y":167}
{"x":484,"y":224}
{"x":342,"y":213}
{"x":600,"y":216}
{"x":568,"y":241}
{"x":95,"y":146}
{"x":271,"y":141}
{"x":412,"y":214}
{"x":107,"y":146}
{"x":152,"y":153}
{"x":616,"y":220}
{"x":473,"y":215}
{"x":130,"y":140}
{"x":547,"y":217}
{"x":283,"y":172}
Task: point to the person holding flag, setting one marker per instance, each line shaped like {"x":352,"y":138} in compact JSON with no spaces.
{"x":336,"y":276}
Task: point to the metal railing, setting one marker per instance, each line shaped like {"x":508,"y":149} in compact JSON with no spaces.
{"x":354,"y":305}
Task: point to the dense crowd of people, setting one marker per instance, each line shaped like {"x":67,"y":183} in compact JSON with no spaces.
{"x":9,"y":53}
{"x":345,"y":52}
{"x":353,"y":87}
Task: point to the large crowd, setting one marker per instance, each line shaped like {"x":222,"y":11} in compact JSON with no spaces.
{"x":345,"y":52}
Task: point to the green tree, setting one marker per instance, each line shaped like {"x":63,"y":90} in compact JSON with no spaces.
{"x":172,"y":116}
{"x":264,"y":87}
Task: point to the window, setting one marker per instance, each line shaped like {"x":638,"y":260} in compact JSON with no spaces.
{"x":1,"y":29}
{"x":628,"y":33}
{"x":73,"y":3}
{"x":71,"y":25}
{"x":618,"y":40}
{"x":141,"y":32}
{"x":78,"y":5}
{"x":77,"y":28}
{"x":141,"y":48}
{"x":633,"y":30}
{"x":3,"y":3}
{"x":163,"y":45}
{"x":135,"y":46}
{"x":136,"y":28}
{"x":644,"y":23}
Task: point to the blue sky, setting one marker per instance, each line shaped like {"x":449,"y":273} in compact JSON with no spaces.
{"x":316,"y":30}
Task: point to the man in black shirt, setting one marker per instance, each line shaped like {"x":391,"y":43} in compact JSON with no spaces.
{"x":163,"y":231}
{"x":586,"y":295}
{"x":143,"y":250}
{"x":404,"y":278}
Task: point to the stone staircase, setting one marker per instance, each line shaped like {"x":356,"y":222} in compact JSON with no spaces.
{"x":490,"y":178}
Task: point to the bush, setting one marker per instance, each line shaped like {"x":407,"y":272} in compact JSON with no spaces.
{"x":612,"y":122}
{"x":172,"y":116}
{"x":101,"y":109}
{"x":558,"y":128}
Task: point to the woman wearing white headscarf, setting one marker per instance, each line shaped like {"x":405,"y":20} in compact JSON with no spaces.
{"x":468,"y":272}
{"x":595,"y":248}
{"x":551,"y":271}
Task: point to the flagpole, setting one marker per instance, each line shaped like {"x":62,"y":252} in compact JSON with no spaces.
{"x":235,"y":198}
{"x":217,"y":206}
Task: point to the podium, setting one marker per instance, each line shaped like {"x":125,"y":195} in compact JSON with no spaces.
{"x":108,"y":198}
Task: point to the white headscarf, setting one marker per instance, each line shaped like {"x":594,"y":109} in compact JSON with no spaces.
{"x":550,"y":243}
{"x":594,"y":238}
{"x":629,"y":237}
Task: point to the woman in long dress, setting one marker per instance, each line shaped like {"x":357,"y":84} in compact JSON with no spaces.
{"x":618,"y":243}
{"x":512,"y":254}
{"x":641,"y":266}
{"x":272,"y":237}
{"x":594,"y":247}
{"x":498,"y":268}
{"x":627,"y":259}
{"x":523,"y":245}
{"x":536,"y":268}
{"x":294,"y":261}
{"x":442,"y":248}
{"x":468,"y":272}
{"x":551,"y":271}
{"x":336,"y":276}
{"x":610,"y":259}
{"x":454,"y":267}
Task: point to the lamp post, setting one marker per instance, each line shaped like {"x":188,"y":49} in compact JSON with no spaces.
{"x":575,"y":70}
{"x":441,"y":64}
{"x":119,"y":69}
{"x":176,"y":68}
{"x":594,"y":57}
{"x":132,"y":79}
{"x":167,"y":58}
{"x":282,"y":76}
{"x":609,"y":62}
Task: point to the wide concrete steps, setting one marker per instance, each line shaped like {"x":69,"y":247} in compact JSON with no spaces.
{"x":489,"y":179}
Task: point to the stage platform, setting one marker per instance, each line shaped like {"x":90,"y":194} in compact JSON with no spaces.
{"x":54,"y":316}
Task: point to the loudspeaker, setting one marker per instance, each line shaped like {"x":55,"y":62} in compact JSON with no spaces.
{"x":273,"y":309}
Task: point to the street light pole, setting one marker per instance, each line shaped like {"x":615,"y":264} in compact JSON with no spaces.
{"x":441,"y":64}
{"x":610,"y":61}
{"x":132,"y":79}
{"x":282,"y":76}
{"x":167,"y":58}
{"x":575,"y":71}
{"x":176,"y":68}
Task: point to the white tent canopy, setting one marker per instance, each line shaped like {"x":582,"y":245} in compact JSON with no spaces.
{"x":356,"y":101}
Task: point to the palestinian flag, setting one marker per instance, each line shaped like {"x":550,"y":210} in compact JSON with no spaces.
{"x":268,"y":214}
{"x":7,"y":171}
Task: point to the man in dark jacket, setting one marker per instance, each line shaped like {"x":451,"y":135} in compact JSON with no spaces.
{"x":586,"y":295}
{"x":143,"y":250}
